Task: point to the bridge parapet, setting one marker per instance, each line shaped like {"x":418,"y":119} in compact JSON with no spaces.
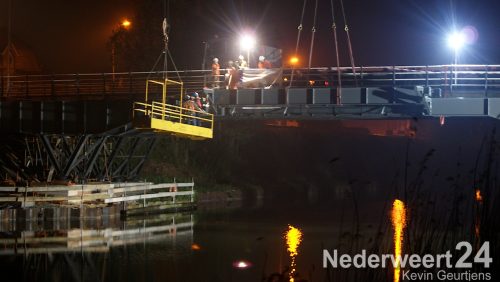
{"x":441,"y":80}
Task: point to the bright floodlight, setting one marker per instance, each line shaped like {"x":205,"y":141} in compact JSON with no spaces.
{"x":247,"y":42}
{"x":456,"y":40}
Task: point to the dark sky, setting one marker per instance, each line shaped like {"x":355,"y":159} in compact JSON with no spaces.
{"x":70,"y":36}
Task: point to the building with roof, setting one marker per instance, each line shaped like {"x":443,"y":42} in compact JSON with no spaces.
{"x":17,"y":58}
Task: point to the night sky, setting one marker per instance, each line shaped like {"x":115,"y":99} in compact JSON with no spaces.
{"x":71,"y":36}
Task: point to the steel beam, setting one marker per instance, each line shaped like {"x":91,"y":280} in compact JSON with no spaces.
{"x":133,"y":148}
{"x":112,"y":157}
{"x":135,"y":171}
{"x":95,"y":154}
{"x":50,"y":152}
{"x":74,"y":159}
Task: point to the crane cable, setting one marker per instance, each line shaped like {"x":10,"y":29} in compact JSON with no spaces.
{"x":166,"y":30}
{"x":351,"y":56}
{"x":299,"y":28}
{"x":313,"y":30}
{"x":334,"y":29}
{"x":166,"y":52}
{"x":165,"y":47}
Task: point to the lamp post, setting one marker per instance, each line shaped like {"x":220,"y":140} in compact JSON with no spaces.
{"x":294,"y":61}
{"x":124,"y":25}
{"x":456,"y":41}
{"x":247,"y":43}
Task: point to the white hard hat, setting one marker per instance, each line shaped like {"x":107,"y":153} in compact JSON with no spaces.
{"x":216,"y":60}
{"x":241,"y":57}
{"x":262,"y":58}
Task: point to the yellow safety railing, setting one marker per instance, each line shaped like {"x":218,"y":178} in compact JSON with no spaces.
{"x":173,"y":119}
{"x":164,"y":85}
{"x":164,"y":88}
{"x":175,"y":113}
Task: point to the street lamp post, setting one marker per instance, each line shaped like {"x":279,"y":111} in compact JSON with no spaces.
{"x":124,"y":25}
{"x":247,"y":43}
{"x":456,"y":41}
{"x":248,"y":57}
{"x":113,"y":64}
{"x":294,"y":61}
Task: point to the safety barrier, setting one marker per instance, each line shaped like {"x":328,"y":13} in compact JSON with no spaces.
{"x":122,"y":85}
{"x":174,"y":119}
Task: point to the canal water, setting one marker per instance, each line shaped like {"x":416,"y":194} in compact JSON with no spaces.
{"x":411,"y":194}
{"x":256,"y":240}
{"x":241,"y":241}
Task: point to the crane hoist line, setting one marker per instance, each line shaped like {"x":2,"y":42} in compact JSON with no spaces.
{"x":335,"y":38}
{"x":170,"y":116}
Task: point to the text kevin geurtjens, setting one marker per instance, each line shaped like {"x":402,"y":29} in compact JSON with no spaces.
{"x":443,"y":275}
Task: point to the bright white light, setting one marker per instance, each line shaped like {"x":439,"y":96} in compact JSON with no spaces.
{"x":456,"y":40}
{"x":247,"y":42}
{"x":242,"y":264}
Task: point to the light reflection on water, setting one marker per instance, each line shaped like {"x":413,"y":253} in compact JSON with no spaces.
{"x":293,"y":238}
{"x":477,"y":218}
{"x":40,"y":240}
{"x":398,"y":218}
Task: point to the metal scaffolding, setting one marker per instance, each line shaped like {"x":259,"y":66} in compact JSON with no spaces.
{"x":115,"y":155}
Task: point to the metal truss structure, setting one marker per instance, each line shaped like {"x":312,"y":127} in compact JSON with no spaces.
{"x":115,"y":155}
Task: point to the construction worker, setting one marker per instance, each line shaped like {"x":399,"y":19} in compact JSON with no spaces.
{"x":205,"y":103}
{"x":233,"y":76}
{"x":263,"y":63}
{"x":215,"y":73}
{"x":189,"y":105}
{"x":242,"y":63}
{"x":197,"y":107}
{"x":197,"y":102}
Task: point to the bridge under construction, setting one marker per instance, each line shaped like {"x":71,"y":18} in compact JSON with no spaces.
{"x":101,"y":127}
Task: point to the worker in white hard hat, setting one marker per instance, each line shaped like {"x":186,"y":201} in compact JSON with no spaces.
{"x":242,"y":63}
{"x":215,"y":73}
{"x":263,"y":63}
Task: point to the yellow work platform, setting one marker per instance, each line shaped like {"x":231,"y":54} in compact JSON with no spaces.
{"x":173,"y":119}
{"x":165,"y":118}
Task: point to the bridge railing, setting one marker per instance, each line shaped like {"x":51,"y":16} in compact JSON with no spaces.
{"x":176,"y":114}
{"x":445,"y":77}
{"x":480,"y":79}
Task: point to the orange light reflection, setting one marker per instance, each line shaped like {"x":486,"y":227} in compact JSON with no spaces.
{"x":293,"y":238}
{"x":398,"y":217}
{"x":479,"y":197}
